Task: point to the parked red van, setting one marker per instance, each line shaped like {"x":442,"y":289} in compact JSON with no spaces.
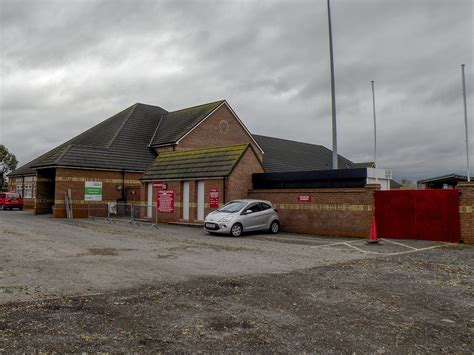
{"x":9,"y":200}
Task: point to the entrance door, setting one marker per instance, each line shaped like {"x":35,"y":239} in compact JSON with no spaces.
{"x":186,"y":200}
{"x":200,"y":201}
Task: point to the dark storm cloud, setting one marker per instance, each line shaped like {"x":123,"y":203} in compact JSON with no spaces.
{"x":67,"y":65}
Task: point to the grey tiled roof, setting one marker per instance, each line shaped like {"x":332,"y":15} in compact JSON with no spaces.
{"x":125,"y":141}
{"x":284,"y":155}
{"x":196,"y":163}
{"x":176,"y":124}
{"x":120,"y":142}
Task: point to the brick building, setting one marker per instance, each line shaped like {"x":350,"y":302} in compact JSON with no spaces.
{"x":131,"y":155}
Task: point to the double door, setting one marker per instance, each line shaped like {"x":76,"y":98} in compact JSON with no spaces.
{"x":200,"y":200}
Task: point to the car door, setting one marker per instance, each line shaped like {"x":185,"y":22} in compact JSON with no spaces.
{"x":266,"y":215}
{"x":251,"y":217}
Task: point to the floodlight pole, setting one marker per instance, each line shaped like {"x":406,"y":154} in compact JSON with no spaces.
{"x":375,"y":125}
{"x":333,"y":94}
{"x":465,"y":123}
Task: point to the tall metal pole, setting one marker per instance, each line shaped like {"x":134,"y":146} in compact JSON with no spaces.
{"x":333,"y":94}
{"x":375,"y":125}
{"x":465,"y":123}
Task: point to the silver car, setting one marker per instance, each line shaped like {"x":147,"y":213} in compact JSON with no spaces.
{"x":240,"y":216}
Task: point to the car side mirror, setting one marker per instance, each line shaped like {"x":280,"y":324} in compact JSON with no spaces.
{"x":247,"y":212}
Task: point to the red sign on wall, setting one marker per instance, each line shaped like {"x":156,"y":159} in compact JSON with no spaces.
{"x":165,"y":201}
{"x":304,"y":198}
{"x":214,"y":198}
{"x":159,"y":185}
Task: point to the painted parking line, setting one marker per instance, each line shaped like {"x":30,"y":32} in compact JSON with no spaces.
{"x":337,"y":243}
{"x":401,"y":244}
{"x":414,"y":250}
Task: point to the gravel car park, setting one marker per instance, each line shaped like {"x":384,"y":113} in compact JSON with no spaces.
{"x":93,"y":286}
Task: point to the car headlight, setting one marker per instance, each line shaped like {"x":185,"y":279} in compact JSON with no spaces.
{"x":225,"y":219}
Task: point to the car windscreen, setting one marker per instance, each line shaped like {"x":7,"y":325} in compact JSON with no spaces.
{"x":232,"y":207}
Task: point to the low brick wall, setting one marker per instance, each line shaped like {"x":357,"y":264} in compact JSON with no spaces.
{"x":466,"y":211}
{"x":329,"y":212}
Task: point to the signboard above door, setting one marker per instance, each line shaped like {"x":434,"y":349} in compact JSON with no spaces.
{"x":159,"y":185}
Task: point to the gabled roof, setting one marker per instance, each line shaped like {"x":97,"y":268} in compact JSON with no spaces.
{"x":120,"y":142}
{"x":176,"y":124}
{"x":196,"y":163}
{"x":283,"y":155}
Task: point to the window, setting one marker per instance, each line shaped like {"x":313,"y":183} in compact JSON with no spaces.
{"x":233,"y":206}
{"x":265,"y":206}
{"x":19,"y":189}
{"x":254,"y":208}
{"x":28,"y":191}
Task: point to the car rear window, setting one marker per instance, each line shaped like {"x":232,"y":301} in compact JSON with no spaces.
{"x":12,"y":195}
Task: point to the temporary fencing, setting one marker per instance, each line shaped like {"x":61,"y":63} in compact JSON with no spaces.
{"x":131,"y":213}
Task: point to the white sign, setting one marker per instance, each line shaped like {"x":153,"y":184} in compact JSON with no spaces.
{"x":93,"y":191}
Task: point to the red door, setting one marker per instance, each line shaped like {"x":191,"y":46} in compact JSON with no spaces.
{"x":418,"y":214}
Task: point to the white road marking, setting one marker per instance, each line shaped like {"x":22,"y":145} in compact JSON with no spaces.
{"x":416,"y":250}
{"x":359,"y":249}
{"x":338,"y":243}
{"x":398,"y":253}
{"x":403,"y":245}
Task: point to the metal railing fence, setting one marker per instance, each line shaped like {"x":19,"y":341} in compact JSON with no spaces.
{"x":131,"y":213}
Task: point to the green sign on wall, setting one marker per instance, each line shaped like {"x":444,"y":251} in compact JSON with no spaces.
{"x":93,"y":191}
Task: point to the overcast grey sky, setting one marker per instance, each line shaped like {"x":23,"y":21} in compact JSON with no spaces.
{"x":69,"y":64}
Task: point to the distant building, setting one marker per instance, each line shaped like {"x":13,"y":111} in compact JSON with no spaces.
{"x":441,"y":182}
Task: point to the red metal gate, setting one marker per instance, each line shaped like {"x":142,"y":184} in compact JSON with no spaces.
{"x":418,"y":214}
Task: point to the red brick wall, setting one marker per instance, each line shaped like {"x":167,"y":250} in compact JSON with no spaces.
{"x":177,"y":187}
{"x":240,"y":180}
{"x":28,"y":203}
{"x":44,"y":191}
{"x":466,"y":209}
{"x":212,"y":184}
{"x":208,"y":133}
{"x":74,"y":179}
{"x":331,"y":212}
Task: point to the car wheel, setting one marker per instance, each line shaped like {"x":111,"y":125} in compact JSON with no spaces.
{"x":2,"y":207}
{"x":20,"y":208}
{"x":274,"y":227}
{"x":236,"y":230}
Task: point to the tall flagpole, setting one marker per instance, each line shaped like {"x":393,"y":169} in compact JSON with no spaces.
{"x":333,"y":94}
{"x":465,"y":123}
{"x":375,"y":125}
